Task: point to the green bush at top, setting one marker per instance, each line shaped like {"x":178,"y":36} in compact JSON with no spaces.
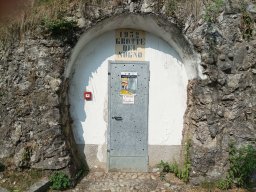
{"x":60,"y":181}
{"x":59,"y":27}
{"x":242,"y":165}
{"x":212,"y":11}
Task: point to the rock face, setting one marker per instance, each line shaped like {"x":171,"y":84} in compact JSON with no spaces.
{"x":31,"y":127}
{"x":34,"y":116}
{"x":222,"y":107}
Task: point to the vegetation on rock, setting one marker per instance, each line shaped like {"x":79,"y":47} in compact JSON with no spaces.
{"x":180,"y":172}
{"x":212,"y":11}
{"x":242,"y":165}
{"x":247,"y":26}
{"x":212,"y":112}
{"x":33,"y":14}
{"x":13,"y":180}
{"x":60,"y":181}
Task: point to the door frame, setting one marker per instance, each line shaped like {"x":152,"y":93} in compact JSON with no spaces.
{"x":109,"y":107}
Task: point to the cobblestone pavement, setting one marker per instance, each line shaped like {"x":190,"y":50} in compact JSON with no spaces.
{"x":138,"y":182}
{"x":129,"y":182}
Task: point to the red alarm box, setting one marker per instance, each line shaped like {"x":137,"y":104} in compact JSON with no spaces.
{"x":87,"y":96}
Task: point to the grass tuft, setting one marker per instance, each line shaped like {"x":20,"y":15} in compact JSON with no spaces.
{"x":31,"y":14}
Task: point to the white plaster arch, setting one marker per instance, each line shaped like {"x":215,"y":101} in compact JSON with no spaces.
{"x":150,"y":23}
{"x":165,"y":137}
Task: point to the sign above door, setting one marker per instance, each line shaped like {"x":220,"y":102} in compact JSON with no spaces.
{"x":130,"y":45}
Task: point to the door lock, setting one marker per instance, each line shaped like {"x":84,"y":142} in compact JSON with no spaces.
{"x":117,"y":118}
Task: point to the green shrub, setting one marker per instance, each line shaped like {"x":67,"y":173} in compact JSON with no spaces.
{"x":59,"y":27}
{"x":60,"y":181}
{"x":242,"y":165}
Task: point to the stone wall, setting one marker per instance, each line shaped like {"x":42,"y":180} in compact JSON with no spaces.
{"x":32,"y":125}
{"x":222,"y":107}
{"x":34,"y":118}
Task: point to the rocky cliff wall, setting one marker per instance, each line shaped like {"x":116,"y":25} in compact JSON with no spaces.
{"x":222,"y":108}
{"x":34,"y":121}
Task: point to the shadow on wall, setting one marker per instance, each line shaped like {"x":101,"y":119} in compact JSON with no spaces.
{"x":89,"y":75}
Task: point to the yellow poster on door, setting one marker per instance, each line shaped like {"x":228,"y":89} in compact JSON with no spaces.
{"x":130,"y":45}
{"x":128,"y":83}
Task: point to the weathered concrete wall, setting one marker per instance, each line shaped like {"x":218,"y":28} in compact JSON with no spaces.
{"x":34,"y":116}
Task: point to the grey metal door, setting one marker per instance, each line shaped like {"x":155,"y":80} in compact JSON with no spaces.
{"x":128,"y":116}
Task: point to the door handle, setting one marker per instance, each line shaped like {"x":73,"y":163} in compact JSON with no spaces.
{"x":117,"y":118}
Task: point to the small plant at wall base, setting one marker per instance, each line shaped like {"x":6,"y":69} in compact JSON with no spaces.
{"x":242,"y":165}
{"x":60,"y":181}
{"x":180,"y":172}
{"x":209,"y":185}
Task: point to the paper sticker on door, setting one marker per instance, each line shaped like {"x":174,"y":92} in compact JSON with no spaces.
{"x":128,"y":83}
{"x":128,"y":99}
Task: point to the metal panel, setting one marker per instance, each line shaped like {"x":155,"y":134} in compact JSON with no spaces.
{"x":128,"y":164}
{"x":128,"y":123}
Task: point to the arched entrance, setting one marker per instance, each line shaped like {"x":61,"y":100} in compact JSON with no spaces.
{"x":135,"y":116}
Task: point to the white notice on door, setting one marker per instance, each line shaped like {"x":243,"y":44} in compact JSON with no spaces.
{"x":128,"y":99}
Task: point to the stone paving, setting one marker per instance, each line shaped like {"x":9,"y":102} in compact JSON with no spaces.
{"x":128,"y":182}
